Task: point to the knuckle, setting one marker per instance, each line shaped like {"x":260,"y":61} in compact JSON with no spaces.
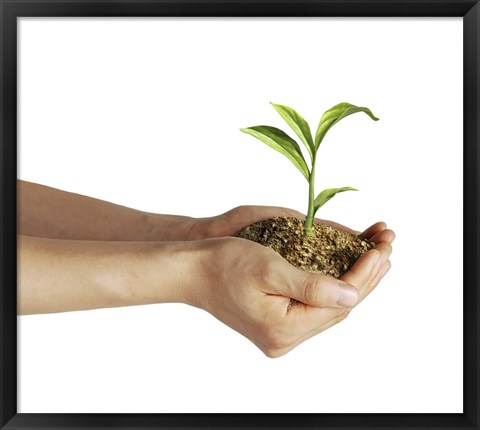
{"x":310,"y":290}
{"x":376,"y":253}
{"x":263,"y":273}
{"x":238,"y":210}
{"x":241,"y":211}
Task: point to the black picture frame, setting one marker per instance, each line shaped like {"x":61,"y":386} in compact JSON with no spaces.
{"x":10,"y":10}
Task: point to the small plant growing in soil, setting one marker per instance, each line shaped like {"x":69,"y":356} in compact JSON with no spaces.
{"x":311,"y":247}
{"x":283,"y":143}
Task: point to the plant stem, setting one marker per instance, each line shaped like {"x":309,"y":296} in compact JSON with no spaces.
{"x":307,"y":229}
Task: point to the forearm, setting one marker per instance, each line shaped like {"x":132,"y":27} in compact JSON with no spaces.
{"x":63,"y":275}
{"x":52,"y":213}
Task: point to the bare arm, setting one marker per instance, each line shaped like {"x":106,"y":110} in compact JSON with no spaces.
{"x":67,"y":275}
{"x":52,"y":213}
{"x":48,"y":212}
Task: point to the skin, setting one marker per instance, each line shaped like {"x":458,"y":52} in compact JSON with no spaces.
{"x":78,"y":253}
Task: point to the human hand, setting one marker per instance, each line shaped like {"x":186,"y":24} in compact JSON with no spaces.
{"x":249,"y":287}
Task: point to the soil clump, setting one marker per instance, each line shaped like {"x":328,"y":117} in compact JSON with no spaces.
{"x":327,"y":250}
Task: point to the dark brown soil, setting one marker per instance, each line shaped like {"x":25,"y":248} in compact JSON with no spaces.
{"x":327,"y":250}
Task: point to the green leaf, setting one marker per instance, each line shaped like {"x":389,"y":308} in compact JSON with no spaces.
{"x":328,"y":194}
{"x":298,"y":125}
{"x":280,"y":141}
{"x":335,"y":114}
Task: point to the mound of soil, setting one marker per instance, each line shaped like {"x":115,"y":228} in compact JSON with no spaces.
{"x":327,"y":250}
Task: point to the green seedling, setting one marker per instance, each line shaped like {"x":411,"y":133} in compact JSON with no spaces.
{"x":280,"y":141}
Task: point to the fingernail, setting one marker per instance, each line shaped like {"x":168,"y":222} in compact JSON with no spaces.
{"x":348,"y":296}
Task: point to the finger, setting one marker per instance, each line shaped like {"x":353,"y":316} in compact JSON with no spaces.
{"x":311,"y":321}
{"x":385,"y":249}
{"x":362,"y":271}
{"x":383,"y":236}
{"x":373,"y":230}
{"x":368,"y":278}
{"x":383,"y":271}
{"x":334,"y":319}
{"x":381,"y":274}
{"x":385,"y":268}
{"x":317,"y":289}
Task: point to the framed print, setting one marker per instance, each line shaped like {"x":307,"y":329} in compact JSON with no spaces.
{"x":126,"y":164}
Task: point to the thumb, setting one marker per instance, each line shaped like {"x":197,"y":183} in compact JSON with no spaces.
{"x":319,"y":290}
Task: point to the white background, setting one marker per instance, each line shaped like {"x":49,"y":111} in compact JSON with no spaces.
{"x":146,"y":113}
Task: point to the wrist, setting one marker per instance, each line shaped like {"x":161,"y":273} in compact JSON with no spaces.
{"x":159,"y":272}
{"x":161,"y":227}
{"x":176,"y":227}
{"x":205,"y":271}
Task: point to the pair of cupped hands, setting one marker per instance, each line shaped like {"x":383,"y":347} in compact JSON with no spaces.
{"x":250,"y":287}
